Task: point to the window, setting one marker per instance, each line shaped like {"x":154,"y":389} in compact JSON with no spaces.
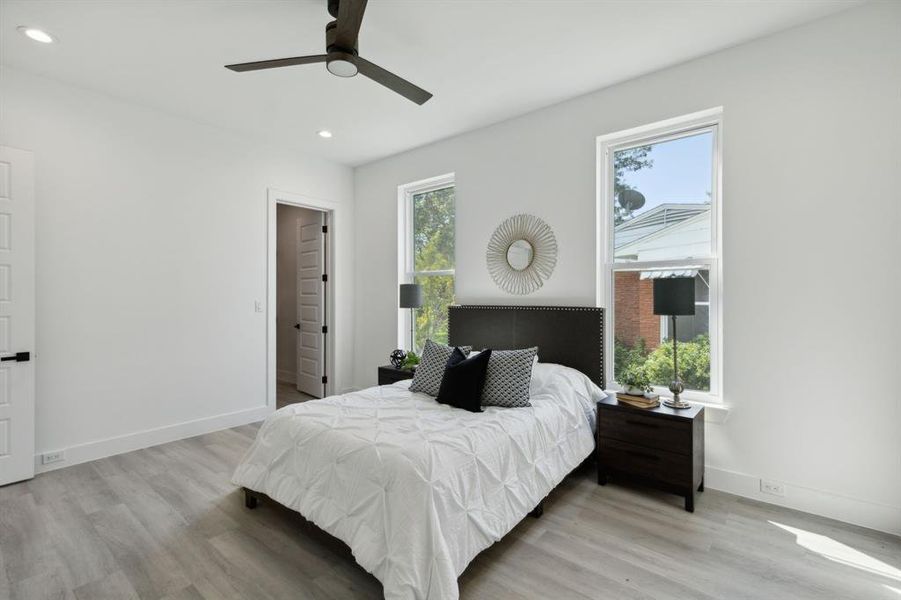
{"x":427,"y":224}
{"x":660,"y":197}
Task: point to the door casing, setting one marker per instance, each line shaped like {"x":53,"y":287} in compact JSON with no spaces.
{"x":333,"y":219}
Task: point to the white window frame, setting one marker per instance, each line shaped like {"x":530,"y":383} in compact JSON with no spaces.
{"x":405,"y":272}
{"x":678,"y":127}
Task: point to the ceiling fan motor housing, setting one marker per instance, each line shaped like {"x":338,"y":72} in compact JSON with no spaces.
{"x":331,"y":33}
{"x":340,"y":60}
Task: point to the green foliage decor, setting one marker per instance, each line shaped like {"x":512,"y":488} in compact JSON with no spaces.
{"x":410,"y":361}
{"x":635,"y":375}
{"x":657,"y":364}
{"x":433,"y":250}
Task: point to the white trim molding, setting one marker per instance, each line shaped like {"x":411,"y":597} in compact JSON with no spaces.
{"x":669,"y":129}
{"x":151,"y":437}
{"x":881,"y":517}
{"x":334,"y":219}
{"x":405,"y":273}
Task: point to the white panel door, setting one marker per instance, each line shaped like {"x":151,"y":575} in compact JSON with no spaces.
{"x":310,"y":347}
{"x":16,"y":315}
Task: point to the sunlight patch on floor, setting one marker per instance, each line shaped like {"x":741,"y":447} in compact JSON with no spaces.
{"x":841,"y":553}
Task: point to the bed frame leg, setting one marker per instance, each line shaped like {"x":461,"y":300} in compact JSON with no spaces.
{"x":250,"y":499}
{"x":538,"y":511}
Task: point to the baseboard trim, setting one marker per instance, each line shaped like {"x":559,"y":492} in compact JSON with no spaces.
{"x":864,"y":513}
{"x":152,"y":437}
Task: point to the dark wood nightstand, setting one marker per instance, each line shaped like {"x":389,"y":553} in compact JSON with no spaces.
{"x":661,"y":447}
{"x":389,"y":374}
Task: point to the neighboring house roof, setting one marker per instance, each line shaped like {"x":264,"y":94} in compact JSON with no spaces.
{"x":653,"y":235}
{"x":659,"y":217}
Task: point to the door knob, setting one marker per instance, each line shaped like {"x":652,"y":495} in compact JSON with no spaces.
{"x":18,"y":357}
{"x":297,"y":326}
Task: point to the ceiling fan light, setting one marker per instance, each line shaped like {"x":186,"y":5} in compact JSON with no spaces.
{"x":341,"y":67}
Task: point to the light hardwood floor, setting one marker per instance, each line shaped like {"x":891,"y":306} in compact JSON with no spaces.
{"x":286,"y":393}
{"x":165,"y":522}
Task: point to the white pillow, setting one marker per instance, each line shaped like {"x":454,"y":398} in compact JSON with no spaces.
{"x":476,"y":352}
{"x":545,"y":374}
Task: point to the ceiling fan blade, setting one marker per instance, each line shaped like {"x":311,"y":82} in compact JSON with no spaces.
{"x":276,"y":63}
{"x":392,"y":81}
{"x":350,"y":17}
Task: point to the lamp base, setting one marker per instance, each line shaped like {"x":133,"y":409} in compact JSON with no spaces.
{"x":676,"y":403}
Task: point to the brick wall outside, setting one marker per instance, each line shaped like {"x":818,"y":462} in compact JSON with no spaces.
{"x":634,"y":316}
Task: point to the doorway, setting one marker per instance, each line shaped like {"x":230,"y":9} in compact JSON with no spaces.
{"x":301,"y":303}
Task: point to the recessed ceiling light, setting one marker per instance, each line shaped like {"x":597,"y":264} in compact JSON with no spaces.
{"x":38,"y":35}
{"x":324,"y":133}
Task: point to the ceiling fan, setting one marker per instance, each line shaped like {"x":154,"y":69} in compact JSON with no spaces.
{"x":341,"y":57}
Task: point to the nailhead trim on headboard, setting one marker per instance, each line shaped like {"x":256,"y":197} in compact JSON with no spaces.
{"x":542,"y":308}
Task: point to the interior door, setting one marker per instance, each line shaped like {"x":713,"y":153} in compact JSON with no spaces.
{"x":16,"y":315}
{"x":310,"y":305}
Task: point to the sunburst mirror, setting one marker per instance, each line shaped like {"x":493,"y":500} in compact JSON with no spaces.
{"x":522,"y":254}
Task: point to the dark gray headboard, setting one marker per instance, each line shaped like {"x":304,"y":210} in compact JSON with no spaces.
{"x":568,"y":335}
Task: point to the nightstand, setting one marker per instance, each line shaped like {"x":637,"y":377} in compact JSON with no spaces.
{"x":660,"y":447}
{"x":389,"y":374}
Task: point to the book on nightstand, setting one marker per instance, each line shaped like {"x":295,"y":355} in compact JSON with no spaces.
{"x":651,"y":401}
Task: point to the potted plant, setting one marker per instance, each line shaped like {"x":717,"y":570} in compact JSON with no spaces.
{"x":410,"y":361}
{"x":635,"y":380}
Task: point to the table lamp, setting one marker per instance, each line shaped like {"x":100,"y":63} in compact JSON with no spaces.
{"x":411,"y":297}
{"x":674,"y":296}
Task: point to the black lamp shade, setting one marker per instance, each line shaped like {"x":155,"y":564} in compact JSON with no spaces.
{"x":674,"y":296}
{"x":410,"y":295}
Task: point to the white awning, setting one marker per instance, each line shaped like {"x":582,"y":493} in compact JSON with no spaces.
{"x":670,"y":273}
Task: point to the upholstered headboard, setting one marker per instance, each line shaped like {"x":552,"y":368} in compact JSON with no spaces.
{"x":568,"y":335}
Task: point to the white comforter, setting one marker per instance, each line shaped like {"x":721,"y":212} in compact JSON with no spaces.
{"x":417,"y":489}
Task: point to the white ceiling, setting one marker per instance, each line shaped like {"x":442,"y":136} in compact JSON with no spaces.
{"x":485,"y":61}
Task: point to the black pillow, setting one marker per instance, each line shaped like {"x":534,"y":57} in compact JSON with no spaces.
{"x":463,"y":380}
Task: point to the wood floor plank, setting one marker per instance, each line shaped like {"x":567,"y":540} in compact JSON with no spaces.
{"x":81,"y":550}
{"x":26,"y":540}
{"x":166,"y":523}
{"x":48,"y":585}
{"x":150,"y":569}
{"x":260,"y":570}
{"x":114,"y":586}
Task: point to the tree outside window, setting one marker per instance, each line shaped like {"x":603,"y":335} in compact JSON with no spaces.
{"x":432,"y":261}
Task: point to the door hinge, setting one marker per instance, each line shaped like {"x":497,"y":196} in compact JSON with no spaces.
{"x":325,"y":329}
{"x":324,"y":379}
{"x":324,"y":277}
{"x":325,"y":229}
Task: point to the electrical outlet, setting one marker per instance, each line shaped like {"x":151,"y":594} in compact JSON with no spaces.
{"x":52,"y":457}
{"x":772,"y":487}
{"x":257,"y":306}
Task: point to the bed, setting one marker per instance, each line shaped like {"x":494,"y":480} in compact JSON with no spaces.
{"x":417,"y":489}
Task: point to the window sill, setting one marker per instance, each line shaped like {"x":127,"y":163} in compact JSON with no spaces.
{"x":714,"y":412}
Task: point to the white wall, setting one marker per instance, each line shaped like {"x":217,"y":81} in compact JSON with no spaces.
{"x":287,"y":219}
{"x":812,"y":140}
{"x":151,"y":250}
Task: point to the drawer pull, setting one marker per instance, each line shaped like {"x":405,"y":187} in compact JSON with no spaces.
{"x":641,"y":424}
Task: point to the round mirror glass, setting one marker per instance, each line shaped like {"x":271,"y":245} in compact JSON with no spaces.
{"x":519,"y":255}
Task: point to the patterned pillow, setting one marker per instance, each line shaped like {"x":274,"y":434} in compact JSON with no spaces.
{"x":508,"y":378}
{"x":428,"y":374}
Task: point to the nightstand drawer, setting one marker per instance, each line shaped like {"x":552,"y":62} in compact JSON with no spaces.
{"x":649,"y":463}
{"x":389,"y":375}
{"x":643,"y":430}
